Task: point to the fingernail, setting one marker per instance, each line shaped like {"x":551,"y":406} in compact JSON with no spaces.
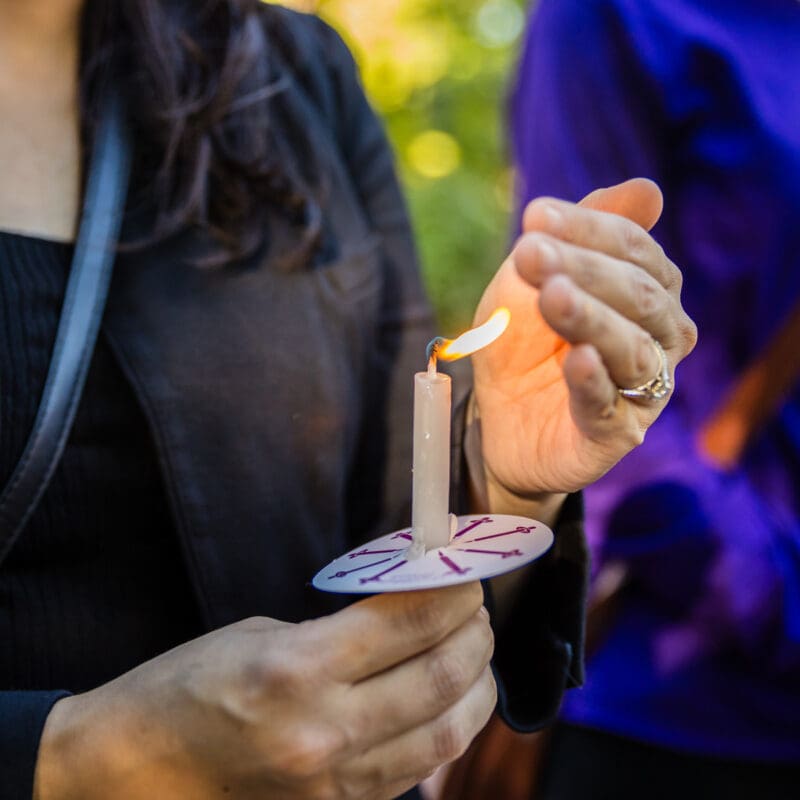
{"x":569,"y":308}
{"x":554,"y":218}
{"x":569,"y":302}
{"x":548,"y":255}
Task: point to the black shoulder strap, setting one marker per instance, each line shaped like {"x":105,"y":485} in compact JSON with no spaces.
{"x":78,"y":327}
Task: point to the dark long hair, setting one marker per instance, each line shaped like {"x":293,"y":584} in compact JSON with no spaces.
{"x":200,"y":77}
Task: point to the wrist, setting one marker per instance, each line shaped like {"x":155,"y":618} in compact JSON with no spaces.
{"x":543,"y":506}
{"x":488,"y":494}
{"x":54,"y":748}
{"x":75,"y":751}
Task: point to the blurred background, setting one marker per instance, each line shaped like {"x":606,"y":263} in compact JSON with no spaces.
{"x":437,"y":72}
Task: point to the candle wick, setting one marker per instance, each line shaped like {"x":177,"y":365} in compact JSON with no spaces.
{"x":431,"y":351}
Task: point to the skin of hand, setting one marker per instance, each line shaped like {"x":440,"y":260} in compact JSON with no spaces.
{"x":364,"y":703}
{"x":587,"y":287}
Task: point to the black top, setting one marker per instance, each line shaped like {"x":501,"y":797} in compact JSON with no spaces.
{"x":96,"y":583}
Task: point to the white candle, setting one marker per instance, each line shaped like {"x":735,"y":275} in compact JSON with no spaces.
{"x":430,"y":518}
{"x":431,"y":480}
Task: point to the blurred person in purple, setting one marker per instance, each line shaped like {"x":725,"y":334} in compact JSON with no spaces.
{"x":695,"y":687}
{"x":247,"y":412}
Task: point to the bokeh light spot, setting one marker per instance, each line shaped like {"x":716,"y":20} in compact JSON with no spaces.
{"x":498,"y":23}
{"x":434,"y":154}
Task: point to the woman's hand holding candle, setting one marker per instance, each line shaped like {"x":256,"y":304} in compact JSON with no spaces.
{"x":589,"y":290}
{"x":360,"y":704}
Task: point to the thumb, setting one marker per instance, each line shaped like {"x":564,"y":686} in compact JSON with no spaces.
{"x":638,"y":199}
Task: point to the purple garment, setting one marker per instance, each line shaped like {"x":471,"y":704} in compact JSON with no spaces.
{"x":705,"y":99}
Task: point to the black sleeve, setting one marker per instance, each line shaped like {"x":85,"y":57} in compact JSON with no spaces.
{"x":540,"y":649}
{"x":22,"y":718}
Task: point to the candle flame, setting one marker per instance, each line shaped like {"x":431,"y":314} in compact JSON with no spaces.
{"x":476,"y":338}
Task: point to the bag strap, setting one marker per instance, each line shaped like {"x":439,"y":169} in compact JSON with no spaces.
{"x":755,"y":398}
{"x":79,"y":324}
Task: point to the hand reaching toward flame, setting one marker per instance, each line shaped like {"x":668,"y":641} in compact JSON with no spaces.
{"x":588,"y":290}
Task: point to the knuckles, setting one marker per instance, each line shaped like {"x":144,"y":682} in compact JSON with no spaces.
{"x":635,"y":245}
{"x":634,"y":437}
{"x":687,"y":329}
{"x":428,"y":621}
{"x":449,"y":740}
{"x":429,"y":616}
{"x":634,"y":242}
{"x":370,"y":781}
{"x":492,"y":693}
{"x":648,"y":296}
{"x":269,"y":674}
{"x":533,"y":253}
{"x":674,"y":277}
{"x":448,"y":678}
{"x":488,"y":633}
{"x":643,"y":352}
{"x":490,"y":685}
{"x":306,"y":755}
{"x":533,"y":218}
{"x":452,"y":733}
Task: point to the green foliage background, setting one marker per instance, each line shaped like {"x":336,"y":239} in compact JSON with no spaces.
{"x":443,"y":66}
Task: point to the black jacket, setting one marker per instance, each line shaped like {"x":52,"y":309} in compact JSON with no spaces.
{"x":280,"y":405}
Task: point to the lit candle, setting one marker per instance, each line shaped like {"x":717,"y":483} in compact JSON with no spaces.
{"x":430,"y":520}
{"x":431,"y":478}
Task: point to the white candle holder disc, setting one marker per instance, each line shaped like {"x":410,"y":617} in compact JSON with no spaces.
{"x":482,"y":547}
